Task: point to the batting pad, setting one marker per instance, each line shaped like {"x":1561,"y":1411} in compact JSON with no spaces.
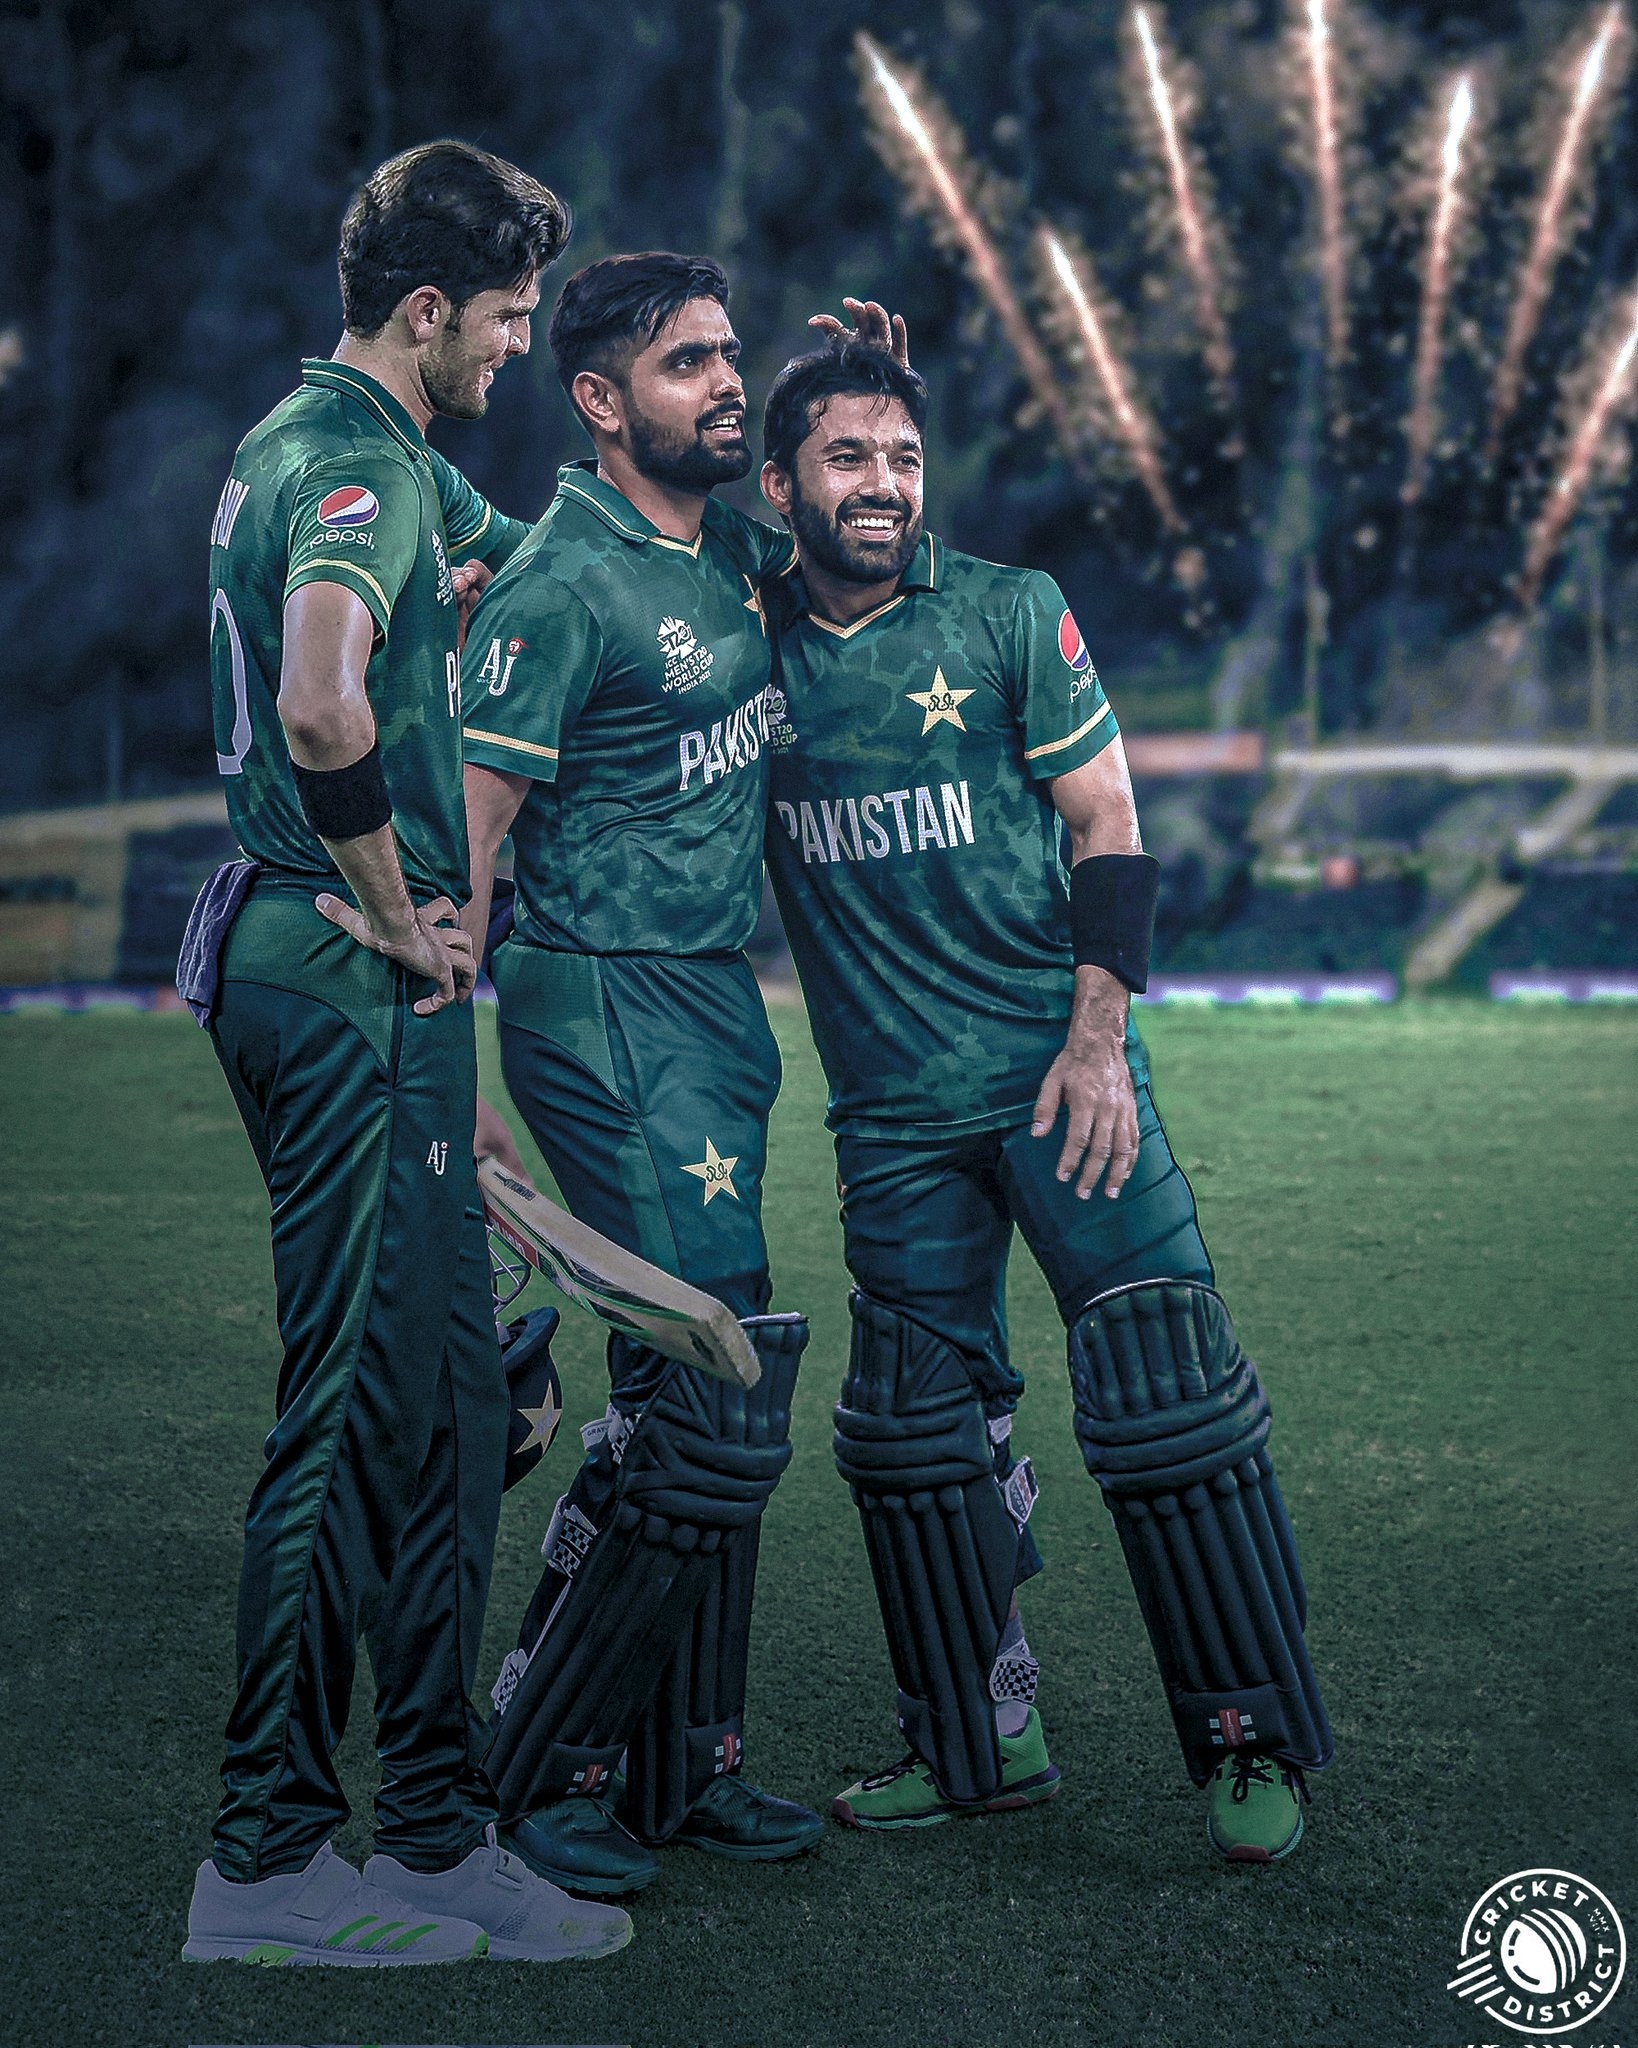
{"x":695,"y":1472}
{"x":912,"y":1444}
{"x":694,"y":1728}
{"x":1173,"y":1425}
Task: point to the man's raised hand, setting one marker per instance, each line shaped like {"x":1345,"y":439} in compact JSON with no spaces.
{"x":872,"y":324}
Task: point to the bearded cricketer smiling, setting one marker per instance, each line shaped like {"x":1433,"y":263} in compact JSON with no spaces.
{"x":616,"y":680}
{"x":939,"y":728}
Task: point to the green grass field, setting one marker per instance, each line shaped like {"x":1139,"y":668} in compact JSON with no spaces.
{"x":1423,"y":1219}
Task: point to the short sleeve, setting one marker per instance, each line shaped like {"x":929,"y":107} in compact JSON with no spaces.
{"x":763,"y":550}
{"x":533,"y":651}
{"x":356,"y":521}
{"x":473,"y":530}
{"x":1067,"y":720}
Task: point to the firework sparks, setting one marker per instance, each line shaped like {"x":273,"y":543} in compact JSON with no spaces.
{"x":1547,"y":235}
{"x":1191,"y":225}
{"x":934,"y":174}
{"x":1319,"y":48}
{"x":1435,"y":293}
{"x":1613,"y":389}
{"x":1071,"y":284}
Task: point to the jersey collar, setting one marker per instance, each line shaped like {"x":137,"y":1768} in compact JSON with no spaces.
{"x":922,"y":574}
{"x":580,"y":482}
{"x":376,"y":398}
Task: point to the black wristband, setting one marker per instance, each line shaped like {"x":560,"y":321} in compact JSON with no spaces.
{"x":1112,"y":914}
{"x":345,"y":803}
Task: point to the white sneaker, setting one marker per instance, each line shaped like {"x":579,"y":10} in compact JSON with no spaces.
{"x":527,"y":1919}
{"x":326,"y":1913}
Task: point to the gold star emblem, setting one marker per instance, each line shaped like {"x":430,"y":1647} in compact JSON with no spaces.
{"x":716,"y":1172}
{"x":940,"y":705}
{"x":542,"y":1423}
{"x":753,"y":604}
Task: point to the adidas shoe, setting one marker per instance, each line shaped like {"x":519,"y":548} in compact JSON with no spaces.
{"x":527,"y":1919}
{"x":325,"y":1914}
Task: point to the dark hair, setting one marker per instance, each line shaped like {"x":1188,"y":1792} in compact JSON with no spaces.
{"x":446,"y":214}
{"x":611,"y":311}
{"x":841,"y":367}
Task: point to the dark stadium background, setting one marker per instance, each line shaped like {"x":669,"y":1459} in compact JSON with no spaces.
{"x":1421,"y":1210}
{"x":170,"y":188}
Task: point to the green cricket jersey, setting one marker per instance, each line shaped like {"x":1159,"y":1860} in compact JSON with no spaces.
{"x":913,"y":844}
{"x":626,"y":674}
{"x":338,"y":485}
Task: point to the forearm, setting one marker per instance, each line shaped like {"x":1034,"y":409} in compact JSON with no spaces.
{"x":332,"y":737}
{"x":492,"y":802}
{"x":369,"y":864}
{"x":1098,"y":1015}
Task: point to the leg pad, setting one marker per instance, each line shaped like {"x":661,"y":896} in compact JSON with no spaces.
{"x":693,"y":1729}
{"x":1173,"y":1425}
{"x":912,"y":1444}
{"x":690,"y":1476}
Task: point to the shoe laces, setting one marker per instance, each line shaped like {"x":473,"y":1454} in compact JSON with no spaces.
{"x":1250,"y":1769}
{"x":908,"y":1762}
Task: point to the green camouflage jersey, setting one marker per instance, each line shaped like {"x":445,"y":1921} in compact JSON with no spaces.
{"x":626,"y":675}
{"x":338,"y":485}
{"x":913,"y":843}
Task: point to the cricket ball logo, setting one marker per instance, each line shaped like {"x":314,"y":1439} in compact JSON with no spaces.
{"x":1542,"y":1950}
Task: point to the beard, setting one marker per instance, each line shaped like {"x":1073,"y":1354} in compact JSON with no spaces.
{"x":686,"y":461}
{"x":450,"y":377}
{"x":851,"y":556}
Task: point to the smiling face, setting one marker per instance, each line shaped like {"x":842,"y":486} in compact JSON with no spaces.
{"x":459,"y":364}
{"x":853,"y":497}
{"x":683,"y":405}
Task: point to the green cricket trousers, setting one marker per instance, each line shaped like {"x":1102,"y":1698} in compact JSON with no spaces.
{"x":377,"y":1507}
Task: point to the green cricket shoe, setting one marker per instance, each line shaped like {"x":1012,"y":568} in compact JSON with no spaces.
{"x":1254,"y":1808}
{"x":906,"y":1796}
{"x":731,"y":1818}
{"x":579,"y":1845}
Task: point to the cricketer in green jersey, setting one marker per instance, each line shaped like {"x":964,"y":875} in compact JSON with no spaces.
{"x":335,"y":606}
{"x":616,"y":723}
{"x":938,"y":729}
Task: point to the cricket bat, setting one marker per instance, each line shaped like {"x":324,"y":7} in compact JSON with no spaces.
{"x":614,"y":1285}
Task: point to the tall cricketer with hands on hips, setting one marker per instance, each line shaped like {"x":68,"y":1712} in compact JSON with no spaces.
{"x":938,"y":726}
{"x":332,"y":976}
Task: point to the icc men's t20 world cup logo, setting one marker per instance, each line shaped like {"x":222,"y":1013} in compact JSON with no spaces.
{"x":1542,"y":1950}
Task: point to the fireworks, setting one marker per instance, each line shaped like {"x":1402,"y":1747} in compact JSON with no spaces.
{"x":1319,"y":47}
{"x":1099,"y":402}
{"x":933,"y":169}
{"x":1613,"y":388}
{"x":1069,"y":280}
{"x":1435,"y":293}
{"x":1191,"y":223}
{"x":1548,"y":235}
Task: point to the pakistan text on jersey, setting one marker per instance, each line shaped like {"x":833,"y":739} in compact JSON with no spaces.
{"x":733,"y":742}
{"x":872,"y":827}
